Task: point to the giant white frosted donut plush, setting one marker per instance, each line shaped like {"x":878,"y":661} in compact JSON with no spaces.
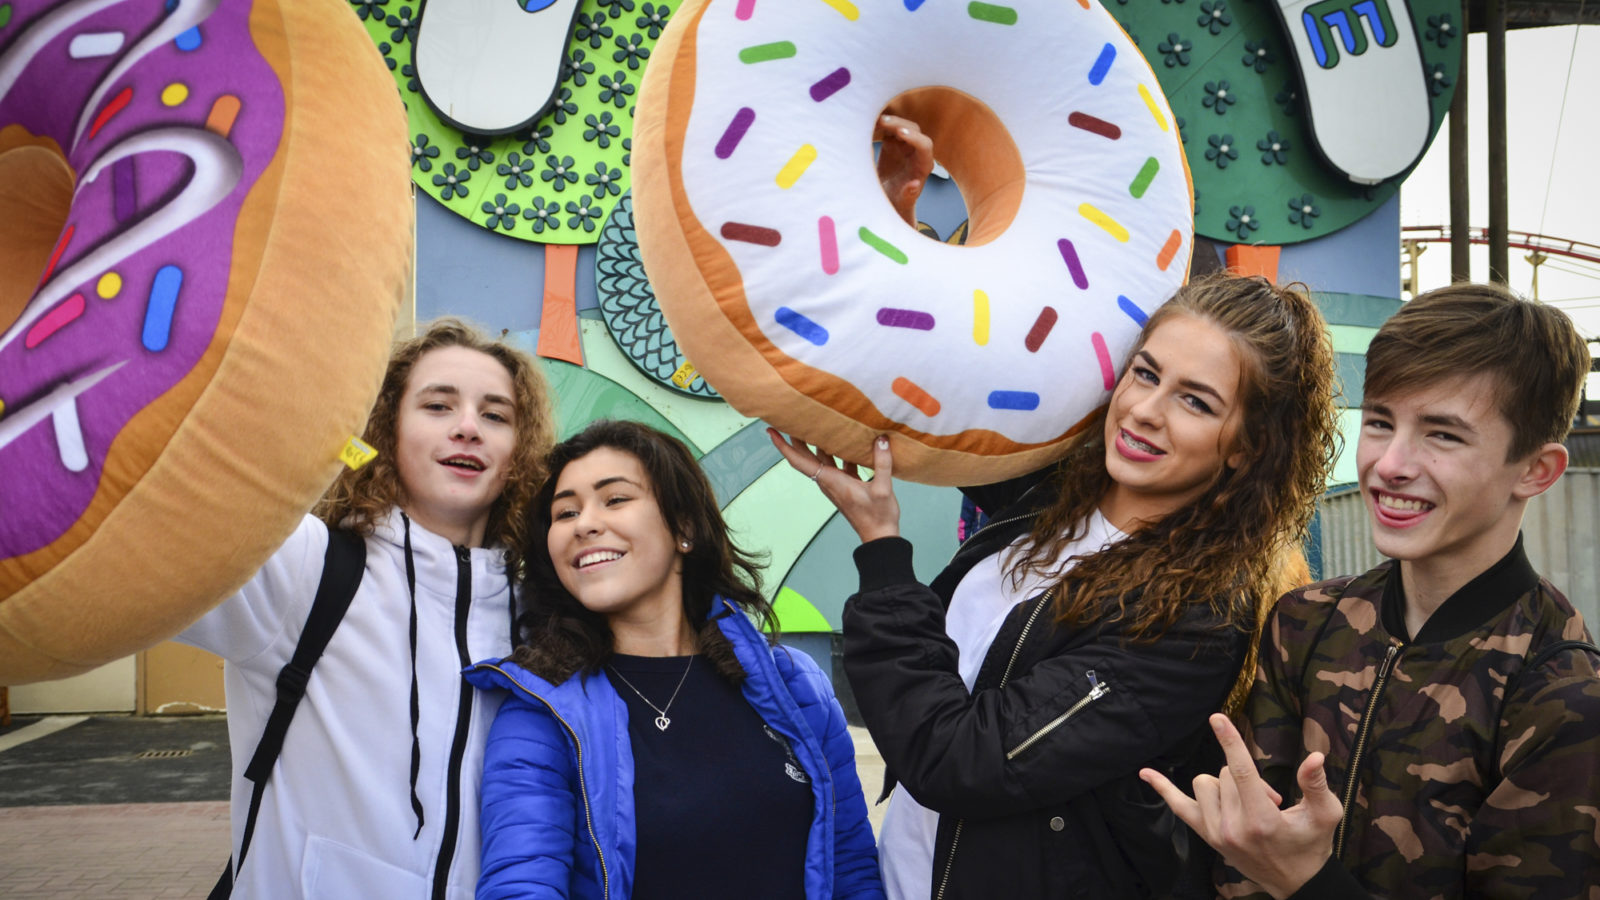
{"x":798,"y":293}
{"x":206,"y":239}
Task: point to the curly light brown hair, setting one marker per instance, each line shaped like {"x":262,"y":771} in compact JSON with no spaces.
{"x":360,"y":498}
{"x":1225,"y":547}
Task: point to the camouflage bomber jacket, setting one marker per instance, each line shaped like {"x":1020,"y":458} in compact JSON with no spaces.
{"x":1450,"y":787}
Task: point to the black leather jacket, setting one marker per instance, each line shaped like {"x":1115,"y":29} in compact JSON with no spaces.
{"x":1035,"y":771}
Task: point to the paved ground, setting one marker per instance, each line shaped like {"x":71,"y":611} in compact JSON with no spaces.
{"x":111,"y":808}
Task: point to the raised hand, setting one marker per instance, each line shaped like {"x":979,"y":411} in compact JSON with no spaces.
{"x":905,"y":160}
{"x":869,"y":506}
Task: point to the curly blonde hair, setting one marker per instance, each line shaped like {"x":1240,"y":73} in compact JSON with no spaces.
{"x":360,"y":498}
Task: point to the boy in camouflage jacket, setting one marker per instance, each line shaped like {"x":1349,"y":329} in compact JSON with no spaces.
{"x":1433,"y":721}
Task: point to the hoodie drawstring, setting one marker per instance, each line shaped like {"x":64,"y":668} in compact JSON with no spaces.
{"x":416,"y":708}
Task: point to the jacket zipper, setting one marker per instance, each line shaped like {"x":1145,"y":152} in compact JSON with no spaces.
{"x":1097,"y":689}
{"x":583,"y":786}
{"x":458,"y":746}
{"x":1352,"y":777}
{"x":1022,"y":637}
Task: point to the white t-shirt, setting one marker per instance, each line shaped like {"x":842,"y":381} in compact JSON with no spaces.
{"x":978,"y":608}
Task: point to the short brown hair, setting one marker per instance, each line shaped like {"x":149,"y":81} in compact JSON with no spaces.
{"x":359,"y":499}
{"x":1533,"y":353}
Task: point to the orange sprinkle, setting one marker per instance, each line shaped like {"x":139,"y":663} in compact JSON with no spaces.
{"x":1164,"y":259}
{"x":906,"y":390}
{"x":223,"y":113}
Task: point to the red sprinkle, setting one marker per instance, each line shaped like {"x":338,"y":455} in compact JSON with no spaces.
{"x":1041,"y":329}
{"x":1096,"y":126}
{"x":115,"y":106}
{"x":751,"y":234}
{"x":53,"y":321}
{"x":55,"y":256}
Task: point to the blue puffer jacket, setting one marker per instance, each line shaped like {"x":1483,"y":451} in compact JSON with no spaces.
{"x":558,"y":777}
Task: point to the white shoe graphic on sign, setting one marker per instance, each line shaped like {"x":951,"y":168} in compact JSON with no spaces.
{"x":1366,"y":92}
{"x":474,"y":60}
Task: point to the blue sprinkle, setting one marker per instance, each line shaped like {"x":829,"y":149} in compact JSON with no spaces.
{"x":914,"y":5}
{"x":802,"y":326}
{"x":172,"y":5}
{"x":189,"y":40}
{"x":535,"y":5}
{"x":1023,"y":400}
{"x":1103,"y":64}
{"x":1133,"y":311}
{"x":158,"y":315}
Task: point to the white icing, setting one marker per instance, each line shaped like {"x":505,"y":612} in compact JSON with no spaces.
{"x":18,"y":421}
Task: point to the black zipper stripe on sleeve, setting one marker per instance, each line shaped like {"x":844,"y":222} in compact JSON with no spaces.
{"x":458,"y":747}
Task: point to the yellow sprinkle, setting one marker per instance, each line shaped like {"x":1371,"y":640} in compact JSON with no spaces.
{"x":980,"y":318}
{"x":1155,"y":111}
{"x":845,"y":8}
{"x":2,"y":407}
{"x":796,"y":166}
{"x":1112,"y":226}
{"x":685,"y":376}
{"x":174,"y":93}
{"x":357,"y":453}
{"x":109,"y":286}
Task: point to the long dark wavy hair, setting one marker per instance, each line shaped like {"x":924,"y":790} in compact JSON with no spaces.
{"x":560,"y":637}
{"x":359,"y":499}
{"x":1226,"y":546}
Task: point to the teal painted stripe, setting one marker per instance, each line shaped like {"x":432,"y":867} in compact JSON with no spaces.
{"x":989,"y":12}
{"x":882,"y":246}
{"x":1352,"y":369}
{"x":1351,"y":338}
{"x":767,"y":52}
{"x":1147,"y":174}
{"x":737,"y":462}
{"x":1355,"y":309}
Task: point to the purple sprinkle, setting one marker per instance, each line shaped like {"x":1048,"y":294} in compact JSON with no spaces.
{"x":1074,"y":265}
{"x":736,"y":129}
{"x":831,"y":84}
{"x":905,"y":318}
{"x":124,"y":196}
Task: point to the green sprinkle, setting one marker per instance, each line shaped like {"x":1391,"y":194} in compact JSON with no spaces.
{"x":882,"y":246}
{"x":989,"y":12}
{"x":766,"y":52}
{"x":1147,"y":174}
{"x":5,"y":15}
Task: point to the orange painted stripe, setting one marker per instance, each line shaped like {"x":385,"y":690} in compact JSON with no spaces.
{"x":908,"y":391}
{"x":558,"y":320}
{"x":223,"y":113}
{"x":1174,"y":241}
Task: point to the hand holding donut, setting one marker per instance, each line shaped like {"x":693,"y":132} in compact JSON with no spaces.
{"x":869,"y":506}
{"x":905,"y":160}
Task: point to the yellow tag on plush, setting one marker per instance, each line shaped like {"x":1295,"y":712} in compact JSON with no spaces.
{"x":357,"y":453}
{"x":685,"y":375}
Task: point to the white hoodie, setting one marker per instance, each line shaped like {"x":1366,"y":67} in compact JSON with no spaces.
{"x":337,"y":819}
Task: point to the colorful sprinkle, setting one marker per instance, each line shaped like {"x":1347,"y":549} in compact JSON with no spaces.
{"x":55,"y":255}
{"x":124,"y":189}
{"x":1133,"y":311}
{"x":69,"y":436}
{"x":845,"y":8}
{"x":174,"y":93}
{"x":1084,"y":3}
{"x":980,"y":318}
{"x":907,"y":390}
{"x":54,"y":320}
{"x":735,"y":132}
{"x":989,"y":12}
{"x":746,"y":7}
{"x":751,"y":234}
{"x":2,"y":402}
{"x":767,"y":52}
{"x":1111,"y":226}
{"x":189,"y":41}
{"x":112,"y":108}
{"x":1102,"y":64}
{"x":1022,"y":400}
{"x":1094,"y":125}
{"x":223,"y":113}
{"x":796,"y":166}
{"x":96,"y":44}
{"x":829,"y":241}
{"x":109,"y":285}
{"x":801,"y":325}
{"x":830,"y":84}
{"x":1069,"y":253}
{"x":1041,"y":329}
{"x":905,"y":318}
{"x":1108,"y":372}
{"x":1155,"y":111}
{"x":914,"y":5}
{"x":1147,"y":174}
{"x":1169,"y":250}
{"x":163,"y":302}
{"x":882,"y":246}
{"x":5,"y":15}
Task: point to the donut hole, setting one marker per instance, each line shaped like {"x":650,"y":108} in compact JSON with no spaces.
{"x":973,"y":145}
{"x":35,"y":196}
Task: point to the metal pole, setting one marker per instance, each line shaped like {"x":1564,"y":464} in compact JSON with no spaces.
{"x":1499,"y":251}
{"x":1460,"y":179}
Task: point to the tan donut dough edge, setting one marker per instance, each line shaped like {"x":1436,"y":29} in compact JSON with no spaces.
{"x":296,"y":377}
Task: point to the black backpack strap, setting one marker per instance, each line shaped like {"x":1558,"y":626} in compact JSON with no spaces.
{"x":342,"y":568}
{"x":1514,"y":683}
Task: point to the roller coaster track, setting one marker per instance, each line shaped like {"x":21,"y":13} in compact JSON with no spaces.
{"x":1522,"y":240}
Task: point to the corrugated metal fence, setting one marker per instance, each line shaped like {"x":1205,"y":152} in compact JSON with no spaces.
{"x":1561,"y":532}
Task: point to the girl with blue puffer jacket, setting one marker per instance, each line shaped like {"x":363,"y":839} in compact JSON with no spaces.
{"x":653,"y":742}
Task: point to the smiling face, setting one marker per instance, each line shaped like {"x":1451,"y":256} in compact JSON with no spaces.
{"x":454,"y":437}
{"x":1172,"y":420}
{"x":611,"y":546}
